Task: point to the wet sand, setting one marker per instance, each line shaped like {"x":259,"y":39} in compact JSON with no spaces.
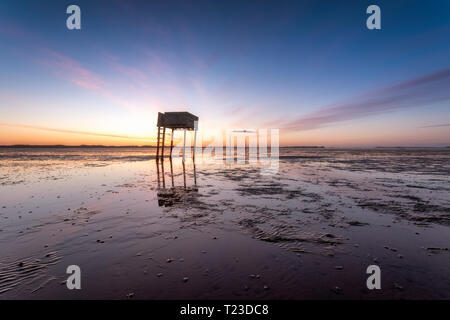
{"x":225,"y":231}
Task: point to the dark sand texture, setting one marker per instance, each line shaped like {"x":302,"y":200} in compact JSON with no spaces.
{"x":307,"y":232}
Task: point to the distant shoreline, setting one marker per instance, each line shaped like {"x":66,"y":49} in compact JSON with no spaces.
{"x":58,"y":146}
{"x":61,"y":146}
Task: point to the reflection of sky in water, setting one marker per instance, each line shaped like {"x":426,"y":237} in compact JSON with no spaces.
{"x":322,"y":202}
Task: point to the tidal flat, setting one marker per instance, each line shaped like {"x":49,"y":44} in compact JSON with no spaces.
{"x":142,"y":229}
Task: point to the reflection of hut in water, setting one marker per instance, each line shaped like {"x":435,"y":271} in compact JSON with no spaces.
{"x":170,"y":196}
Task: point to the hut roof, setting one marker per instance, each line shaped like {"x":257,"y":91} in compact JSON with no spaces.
{"x":177,"y":120}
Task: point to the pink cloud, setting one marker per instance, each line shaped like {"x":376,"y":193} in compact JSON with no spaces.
{"x":9,"y":98}
{"x":419,"y":91}
{"x":71,"y":70}
{"x":131,"y":73}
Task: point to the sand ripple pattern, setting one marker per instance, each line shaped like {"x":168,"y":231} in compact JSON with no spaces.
{"x":18,"y":272}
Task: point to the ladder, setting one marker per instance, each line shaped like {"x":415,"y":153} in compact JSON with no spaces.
{"x":160,"y":141}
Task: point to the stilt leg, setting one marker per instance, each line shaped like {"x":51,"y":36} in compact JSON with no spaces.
{"x":163,"y":174}
{"x":171,"y":172}
{"x":195,"y":141}
{"x":157,"y":172}
{"x":171,"y":144}
{"x":163,"y":140}
{"x":184,"y":145}
{"x":184,"y":174}
{"x":157,"y":143}
{"x":195,"y":175}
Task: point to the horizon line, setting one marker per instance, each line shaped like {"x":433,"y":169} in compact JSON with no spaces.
{"x":154,"y":146}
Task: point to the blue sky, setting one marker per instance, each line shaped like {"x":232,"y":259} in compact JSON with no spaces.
{"x":310,"y":68}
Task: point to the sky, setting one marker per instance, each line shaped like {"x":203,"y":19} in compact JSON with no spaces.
{"x":311,"y":69}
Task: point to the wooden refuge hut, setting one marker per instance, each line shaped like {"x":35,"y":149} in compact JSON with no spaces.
{"x":174,"y":120}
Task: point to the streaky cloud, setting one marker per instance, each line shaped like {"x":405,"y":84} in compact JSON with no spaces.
{"x":416,"y":92}
{"x":436,"y":125}
{"x":24,"y":126}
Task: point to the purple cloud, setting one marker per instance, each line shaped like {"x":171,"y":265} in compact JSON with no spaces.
{"x":437,"y":125}
{"x":419,"y":91}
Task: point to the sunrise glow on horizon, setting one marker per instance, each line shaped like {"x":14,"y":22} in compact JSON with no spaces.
{"x":319,"y":76}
